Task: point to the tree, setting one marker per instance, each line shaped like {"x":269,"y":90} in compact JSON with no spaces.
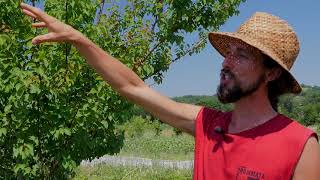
{"x":304,"y":107}
{"x":55,"y":110}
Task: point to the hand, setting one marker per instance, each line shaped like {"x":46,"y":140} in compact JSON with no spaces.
{"x":58,"y":31}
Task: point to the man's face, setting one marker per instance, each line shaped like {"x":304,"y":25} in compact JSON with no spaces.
{"x":242,"y":73}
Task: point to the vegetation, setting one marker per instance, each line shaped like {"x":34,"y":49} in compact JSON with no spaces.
{"x":132,"y":173}
{"x":208,"y":101}
{"x":55,"y":110}
{"x":155,"y":140}
{"x":304,"y":107}
{"x":147,"y":139}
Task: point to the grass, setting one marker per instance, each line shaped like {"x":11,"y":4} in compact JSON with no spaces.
{"x":133,"y":173}
{"x":170,"y":147}
{"x":150,"y":139}
{"x":145,"y":140}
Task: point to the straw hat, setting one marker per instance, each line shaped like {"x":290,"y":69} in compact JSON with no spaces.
{"x":272,"y":36}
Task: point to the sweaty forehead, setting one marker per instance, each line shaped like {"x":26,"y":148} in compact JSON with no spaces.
{"x":241,"y":46}
{"x":244,"y":47}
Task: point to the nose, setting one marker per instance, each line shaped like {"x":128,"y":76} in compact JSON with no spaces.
{"x":228,"y":61}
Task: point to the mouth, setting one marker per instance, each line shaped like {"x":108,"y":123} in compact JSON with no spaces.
{"x":226,"y":76}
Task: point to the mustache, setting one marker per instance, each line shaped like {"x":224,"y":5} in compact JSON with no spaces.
{"x":227,"y":72}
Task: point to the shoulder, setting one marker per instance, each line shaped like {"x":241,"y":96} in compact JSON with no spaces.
{"x":305,"y":141}
{"x":295,"y":130}
{"x":209,"y":117}
{"x":309,"y":162}
{"x":210,"y":112}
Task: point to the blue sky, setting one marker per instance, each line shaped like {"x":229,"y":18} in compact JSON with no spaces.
{"x":199,"y":74}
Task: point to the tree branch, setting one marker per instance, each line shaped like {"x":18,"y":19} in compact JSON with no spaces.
{"x":139,"y":63}
{"x":156,"y":18}
{"x":195,"y":45}
{"x":100,"y":11}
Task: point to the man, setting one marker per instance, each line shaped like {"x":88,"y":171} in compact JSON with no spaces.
{"x":253,"y":141}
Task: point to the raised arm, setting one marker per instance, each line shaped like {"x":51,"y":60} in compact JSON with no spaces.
{"x":119,"y":76}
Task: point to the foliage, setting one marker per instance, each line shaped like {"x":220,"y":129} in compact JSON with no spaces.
{"x":304,"y":107}
{"x":166,"y":145}
{"x":55,"y":110}
{"x":137,"y":126}
{"x":208,"y":101}
{"x":155,"y":140}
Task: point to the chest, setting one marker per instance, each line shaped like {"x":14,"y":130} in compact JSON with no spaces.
{"x":237,"y":157}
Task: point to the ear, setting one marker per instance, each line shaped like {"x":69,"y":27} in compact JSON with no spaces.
{"x":274,"y":74}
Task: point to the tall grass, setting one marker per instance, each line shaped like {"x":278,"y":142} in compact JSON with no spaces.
{"x":132,"y":173}
{"x":146,"y":139}
{"x":155,"y":141}
{"x":159,"y":147}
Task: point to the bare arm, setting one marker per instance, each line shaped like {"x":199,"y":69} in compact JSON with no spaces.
{"x":308,"y":166}
{"x":119,"y":76}
{"x":129,"y":85}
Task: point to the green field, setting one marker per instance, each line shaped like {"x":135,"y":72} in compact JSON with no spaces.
{"x":108,"y":172}
{"x":160,"y":147}
{"x":151,"y":140}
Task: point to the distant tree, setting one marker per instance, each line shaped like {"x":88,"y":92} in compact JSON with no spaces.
{"x":304,"y":107}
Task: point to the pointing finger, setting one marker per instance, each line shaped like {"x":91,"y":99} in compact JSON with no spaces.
{"x":29,"y":13}
{"x":36,"y":13}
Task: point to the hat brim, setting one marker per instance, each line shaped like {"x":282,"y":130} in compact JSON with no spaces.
{"x":220,"y":41}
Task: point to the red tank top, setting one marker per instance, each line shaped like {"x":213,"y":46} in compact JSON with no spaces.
{"x":269,"y":151}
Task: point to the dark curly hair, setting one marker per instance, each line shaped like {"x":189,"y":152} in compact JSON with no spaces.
{"x":278,"y":86}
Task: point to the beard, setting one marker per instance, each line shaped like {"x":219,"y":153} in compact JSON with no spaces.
{"x":235,"y":93}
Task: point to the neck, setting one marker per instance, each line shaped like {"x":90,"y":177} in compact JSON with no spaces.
{"x":251,"y":111}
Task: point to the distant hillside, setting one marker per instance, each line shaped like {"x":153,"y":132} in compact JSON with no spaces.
{"x":304,"y":107}
{"x":208,"y":101}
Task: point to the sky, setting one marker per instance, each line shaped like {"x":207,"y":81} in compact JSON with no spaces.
{"x":199,"y":74}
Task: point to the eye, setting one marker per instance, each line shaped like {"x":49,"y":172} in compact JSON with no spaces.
{"x":227,"y":52}
{"x":244,"y":56}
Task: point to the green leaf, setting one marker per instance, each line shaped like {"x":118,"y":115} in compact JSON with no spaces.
{"x":105,"y":124}
{"x":19,"y":167}
{"x":34,"y":89}
{"x":18,"y":86}
{"x":3,"y":132}
{"x":34,"y":139}
{"x":67,"y":131}
{"x":39,"y":70}
{"x":26,"y":151}
{"x":7,"y":109}
{"x":3,"y":39}
{"x":60,"y":132}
